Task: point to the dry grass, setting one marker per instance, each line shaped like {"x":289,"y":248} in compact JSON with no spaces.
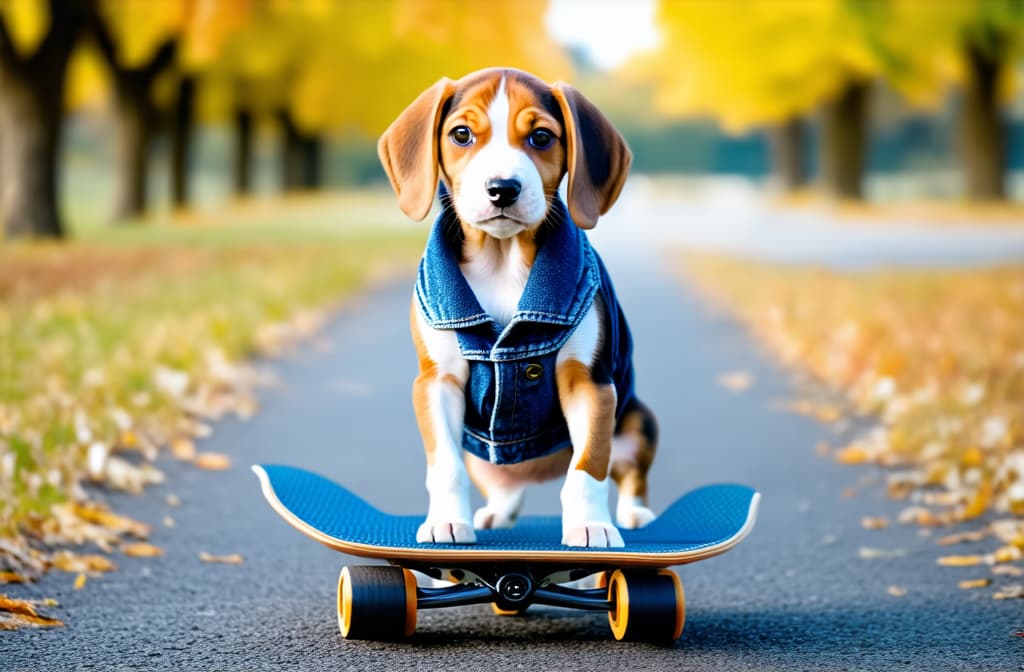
{"x":937,"y":357}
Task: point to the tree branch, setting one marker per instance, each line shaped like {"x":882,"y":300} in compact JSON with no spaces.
{"x":162,"y":58}
{"x":102,"y":36}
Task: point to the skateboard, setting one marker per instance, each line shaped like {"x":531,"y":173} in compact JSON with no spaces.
{"x":510,"y":569}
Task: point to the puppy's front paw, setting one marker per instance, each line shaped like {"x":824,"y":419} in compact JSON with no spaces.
{"x":633,"y":517}
{"x":593,"y":535}
{"x":441,"y":532}
{"x":488,"y":518}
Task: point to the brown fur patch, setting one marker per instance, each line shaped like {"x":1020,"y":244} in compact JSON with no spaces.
{"x":421,"y":388}
{"x":575,"y":384}
{"x":631,"y":475}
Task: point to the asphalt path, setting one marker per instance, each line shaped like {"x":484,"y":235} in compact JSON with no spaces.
{"x":794,"y":596}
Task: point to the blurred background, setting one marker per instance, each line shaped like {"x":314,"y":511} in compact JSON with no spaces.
{"x":187,"y":183}
{"x":112,"y":109}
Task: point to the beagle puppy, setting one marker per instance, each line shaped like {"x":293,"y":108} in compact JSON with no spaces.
{"x":525,"y":370}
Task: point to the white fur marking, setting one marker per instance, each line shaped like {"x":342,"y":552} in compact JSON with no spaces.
{"x":449,"y":513}
{"x":498,"y":159}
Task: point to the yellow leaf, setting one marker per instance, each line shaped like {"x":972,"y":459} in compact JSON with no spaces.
{"x":980,"y":503}
{"x":212,"y":461}
{"x":12,"y":577}
{"x":975,"y":583}
{"x":961,"y":560}
{"x":869,"y":523}
{"x":80,"y":581}
{"x":66,"y":561}
{"x":142,"y":550}
{"x":231,"y":559}
{"x":93,"y":513}
{"x":972,"y":457}
{"x":183,"y":448}
{"x":852,"y":454}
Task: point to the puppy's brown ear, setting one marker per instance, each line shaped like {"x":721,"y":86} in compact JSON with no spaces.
{"x":408,"y":150}
{"x":598,"y":158}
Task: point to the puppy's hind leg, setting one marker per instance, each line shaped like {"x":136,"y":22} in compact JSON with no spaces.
{"x":633,"y":448}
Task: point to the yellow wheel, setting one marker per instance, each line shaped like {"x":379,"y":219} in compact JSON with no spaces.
{"x":506,"y":612}
{"x":646,"y":606}
{"x":376,"y":602}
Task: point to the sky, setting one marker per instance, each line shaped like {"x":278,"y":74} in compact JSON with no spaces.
{"x":609,"y":30}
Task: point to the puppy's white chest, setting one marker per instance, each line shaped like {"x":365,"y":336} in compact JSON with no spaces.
{"x":498,"y":283}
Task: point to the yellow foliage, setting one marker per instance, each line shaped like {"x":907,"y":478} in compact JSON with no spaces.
{"x":749,"y":62}
{"x":27,"y":22}
{"x":140,"y":27}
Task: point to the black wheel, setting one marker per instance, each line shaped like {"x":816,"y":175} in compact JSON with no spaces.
{"x":376,"y":602}
{"x":646,"y":606}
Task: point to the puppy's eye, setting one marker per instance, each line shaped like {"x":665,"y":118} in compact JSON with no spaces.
{"x":461,"y":136}
{"x":541,"y":138}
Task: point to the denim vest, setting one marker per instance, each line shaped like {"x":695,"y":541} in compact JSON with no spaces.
{"x":512,"y":408}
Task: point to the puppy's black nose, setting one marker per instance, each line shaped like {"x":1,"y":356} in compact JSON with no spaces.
{"x":503,"y":192}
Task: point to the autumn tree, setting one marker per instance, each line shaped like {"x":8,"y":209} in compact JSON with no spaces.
{"x":992,"y":37}
{"x":751,"y":62}
{"x":36,"y":40}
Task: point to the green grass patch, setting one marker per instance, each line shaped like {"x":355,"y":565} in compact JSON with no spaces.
{"x":92,"y":330}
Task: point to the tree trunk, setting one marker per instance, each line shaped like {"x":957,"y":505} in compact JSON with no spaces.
{"x":982,"y":132}
{"x":301,"y":156}
{"x":312,"y":159}
{"x":184,"y":124}
{"x":135,"y":116}
{"x":31,"y":111}
{"x":844,"y":141}
{"x":30,"y":117}
{"x":243,"y":152}
{"x":789,"y":143}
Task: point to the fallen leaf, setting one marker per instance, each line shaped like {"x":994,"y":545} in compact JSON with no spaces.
{"x":961,"y":560}
{"x":168,"y":521}
{"x":230,"y":559}
{"x":870,"y":523}
{"x":880,"y":553}
{"x":15,"y":614}
{"x":12,"y":577}
{"x":1010,"y":592}
{"x":964,"y":537}
{"x":1008,"y":570}
{"x":66,"y":561}
{"x":172,"y":500}
{"x":80,"y":581}
{"x":94,"y":513}
{"x":970,"y":584}
{"x":183,"y":448}
{"x":852,"y":454}
{"x":1008,"y":554}
{"x":212,"y":461}
{"x":736,"y":381}
{"x":896,"y":591}
{"x":142,"y":550}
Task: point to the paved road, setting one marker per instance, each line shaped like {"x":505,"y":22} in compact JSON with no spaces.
{"x":731,"y":216}
{"x":794,"y":596}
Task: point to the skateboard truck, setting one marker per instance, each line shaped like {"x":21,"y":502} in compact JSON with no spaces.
{"x":512,"y":588}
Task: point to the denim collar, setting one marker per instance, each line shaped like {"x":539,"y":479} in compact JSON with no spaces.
{"x":561,"y":287}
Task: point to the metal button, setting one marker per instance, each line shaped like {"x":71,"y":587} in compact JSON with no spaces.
{"x":534,"y":371}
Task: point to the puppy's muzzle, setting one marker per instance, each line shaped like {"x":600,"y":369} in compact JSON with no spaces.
{"x":503,"y":192}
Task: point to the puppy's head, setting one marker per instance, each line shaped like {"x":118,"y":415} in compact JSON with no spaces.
{"x":502,"y":140}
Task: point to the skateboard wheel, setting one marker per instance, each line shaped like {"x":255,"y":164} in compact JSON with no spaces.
{"x":646,"y":606}
{"x":507,"y":612}
{"x":376,"y":602}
